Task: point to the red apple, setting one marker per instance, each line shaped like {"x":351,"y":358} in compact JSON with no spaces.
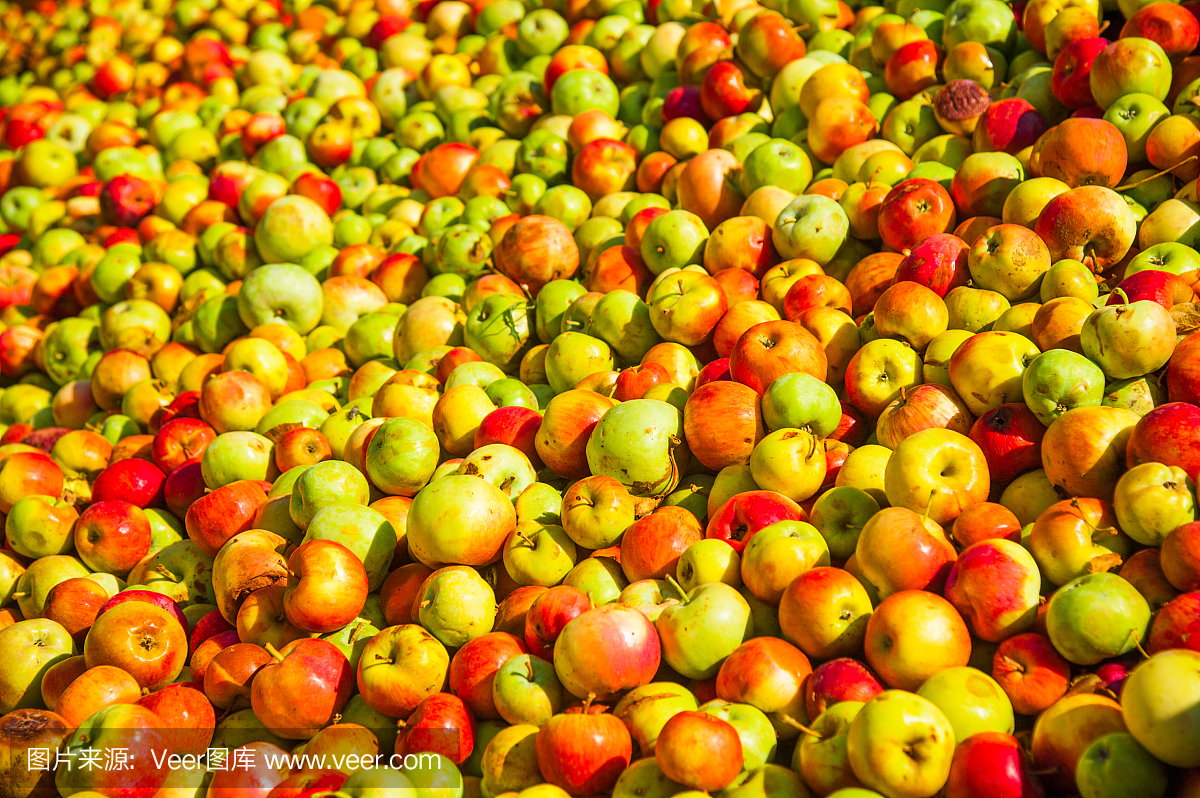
{"x":742,"y":515}
{"x":583,"y":753}
{"x":1011,"y":439}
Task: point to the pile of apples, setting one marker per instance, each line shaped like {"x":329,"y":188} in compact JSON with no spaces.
{"x":642,"y":398}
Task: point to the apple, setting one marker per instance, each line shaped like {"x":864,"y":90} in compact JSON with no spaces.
{"x":628,"y":636}
{"x":699,"y":751}
{"x":905,"y":653}
{"x":1158,"y":708}
{"x":900,"y":744}
{"x":971,"y":700}
{"x":991,"y":764}
{"x":995,"y":585}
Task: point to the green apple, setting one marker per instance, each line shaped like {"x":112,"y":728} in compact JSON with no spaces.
{"x":1059,"y":380}
{"x":901,"y":745}
{"x":645,"y":779}
{"x":803,"y":402}
{"x":971,"y":700}
{"x":640,"y":443}
{"x":766,"y":780}
{"x":822,"y":757}
{"x":526,"y":690}
{"x":601,"y":578}
{"x":235,"y":456}
{"x":538,"y":554}
{"x":709,"y":560}
{"x":456,"y":605}
{"x":34,"y":645}
{"x":698,"y":633}
{"x":839,"y":515}
{"x":790,"y":462}
{"x":401,"y":456}
{"x":1118,"y":766}
{"x":1150,"y":500}
{"x":779,"y":553}
{"x":327,"y":483}
{"x":1095,"y":617}
{"x":1161,"y":703}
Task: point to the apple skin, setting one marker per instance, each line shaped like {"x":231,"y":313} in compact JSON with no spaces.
{"x":771,"y":349}
{"x":583,"y":753}
{"x":836,"y":681}
{"x":143,"y":639}
{"x":400,"y":667}
{"x":768,"y":674}
{"x":914,"y":634}
{"x":20,"y":731}
{"x":939,"y":472}
{"x":991,"y":765}
{"x":1064,"y":731}
{"x":127,"y":726}
{"x":1174,"y":626}
{"x":938,"y":262}
{"x":744,"y":514}
{"x":442,"y":725}
{"x":1009,"y":125}
{"x":1168,"y":434}
{"x":927,"y":554}
{"x":995,"y":585}
{"x":699,"y":751}
{"x":327,"y":587}
{"x":632,"y":643}
{"x":187,"y":713}
{"x":824,"y":611}
{"x":306,"y":684}
{"x":1031,"y":672}
{"x":217,"y":516}
{"x":901,"y":744}
{"x":1082,"y":450}
{"x":1159,"y":706}
{"x":473,"y":670}
{"x":723,"y":423}
{"x":112,"y":536}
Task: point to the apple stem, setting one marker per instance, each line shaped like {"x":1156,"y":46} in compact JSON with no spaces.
{"x":677,"y":586}
{"x":1148,"y":178}
{"x":587,"y":702}
{"x":162,"y":569}
{"x":529,"y":667}
{"x":1013,"y":664}
{"x":795,"y":724}
{"x":20,"y":595}
{"x":274,"y":652}
{"x":1138,"y":644}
